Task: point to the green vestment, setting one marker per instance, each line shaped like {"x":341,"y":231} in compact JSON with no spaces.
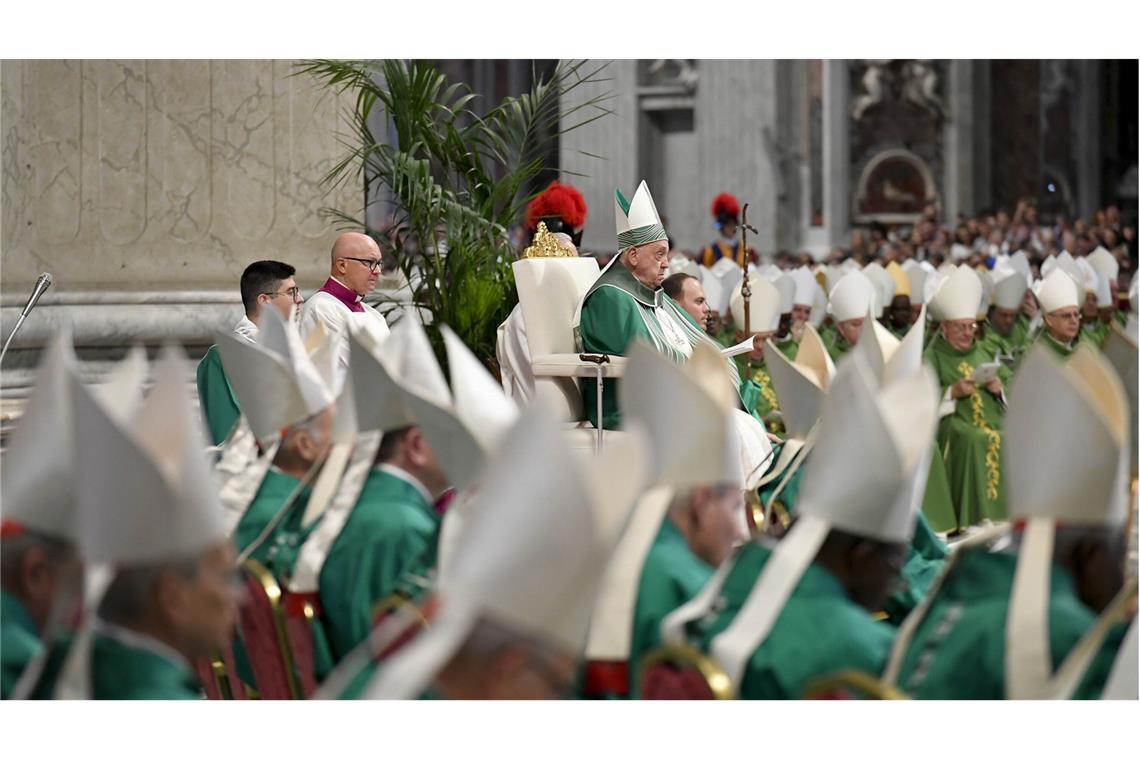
{"x":671,"y":576}
{"x":1096,"y":333}
{"x":618,"y":309}
{"x":19,"y":642}
{"x":958,"y":650}
{"x":970,"y":439}
{"x":758,"y":394}
{"x":819,"y":632}
{"x":219,"y":405}
{"x":391,"y":533}
{"x":123,"y":671}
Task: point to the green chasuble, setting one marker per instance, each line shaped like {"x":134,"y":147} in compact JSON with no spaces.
{"x":819,"y":632}
{"x":219,"y":406}
{"x":958,"y":650}
{"x":924,"y":557}
{"x":788,"y":346}
{"x":1020,"y":336}
{"x":1060,"y":350}
{"x":616,"y":310}
{"x":970,"y":438}
{"x":19,"y":642}
{"x":391,"y":533}
{"x":835,"y":343}
{"x":671,"y":576}
{"x":758,"y":394}
{"x":123,"y":670}
{"x":271,"y":496}
{"x":1096,"y":333}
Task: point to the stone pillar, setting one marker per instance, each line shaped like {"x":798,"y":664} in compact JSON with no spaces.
{"x":604,"y":151}
{"x":958,"y":143}
{"x":836,"y":152}
{"x":1087,"y":137}
{"x":1015,"y":128}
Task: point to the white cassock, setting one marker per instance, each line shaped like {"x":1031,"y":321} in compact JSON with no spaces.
{"x":333,"y":314}
{"x":513,"y":353}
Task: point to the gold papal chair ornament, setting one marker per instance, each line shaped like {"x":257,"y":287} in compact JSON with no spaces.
{"x":545,"y":245}
{"x":678,"y":671}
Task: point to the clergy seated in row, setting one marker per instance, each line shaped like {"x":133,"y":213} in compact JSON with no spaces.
{"x":174,"y":595}
{"x":40,"y":570}
{"x":354,"y":270}
{"x":802,"y":384}
{"x":264,"y":284}
{"x":513,"y":603}
{"x":683,"y":527}
{"x":850,"y":299}
{"x":1038,"y":614}
{"x":1108,"y":309}
{"x":786,"y":614}
{"x":973,"y":402}
{"x":626,"y":302}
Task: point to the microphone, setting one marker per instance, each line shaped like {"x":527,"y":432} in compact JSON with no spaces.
{"x":43,"y":282}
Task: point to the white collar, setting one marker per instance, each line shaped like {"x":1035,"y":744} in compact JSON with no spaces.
{"x":137,"y":640}
{"x":246,"y":329}
{"x":407,"y":477}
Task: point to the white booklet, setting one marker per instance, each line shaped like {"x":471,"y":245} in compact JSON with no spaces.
{"x":985,"y":372}
{"x":742,"y":347}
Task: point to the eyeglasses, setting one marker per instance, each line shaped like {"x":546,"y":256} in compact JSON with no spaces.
{"x":372,"y":264}
{"x":293,"y":292}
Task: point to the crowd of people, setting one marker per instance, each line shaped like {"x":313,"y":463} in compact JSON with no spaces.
{"x":799,"y":479}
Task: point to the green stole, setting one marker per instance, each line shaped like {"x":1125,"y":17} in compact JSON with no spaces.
{"x":757,"y":392}
{"x":19,"y":642}
{"x":391,"y":534}
{"x":819,"y":632}
{"x":219,"y":405}
{"x":970,"y":439}
{"x":618,"y":309}
{"x":958,"y":650}
{"x":671,"y":576}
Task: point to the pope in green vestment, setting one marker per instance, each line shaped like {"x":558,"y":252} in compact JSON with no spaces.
{"x":219,"y":406}
{"x":19,"y":642}
{"x":617,"y":309}
{"x":970,"y":439}
{"x":671,"y":576}
{"x":392,"y":533}
{"x":820,"y":631}
{"x":958,"y":650}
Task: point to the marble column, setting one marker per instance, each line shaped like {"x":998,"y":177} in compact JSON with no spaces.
{"x":602,"y":155}
{"x":1087,"y":137}
{"x":958,"y":142}
{"x":836,"y":152}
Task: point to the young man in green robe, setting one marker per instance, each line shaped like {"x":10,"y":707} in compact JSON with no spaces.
{"x":788,"y":614}
{"x":969,"y":435}
{"x":174,"y":595}
{"x":262,"y":283}
{"x":981,"y":636}
{"x":1001,"y":336}
{"x":626,"y":302}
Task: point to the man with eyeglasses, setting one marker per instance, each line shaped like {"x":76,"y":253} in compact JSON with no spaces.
{"x":1060,"y":301}
{"x":973,"y":405}
{"x":354,"y":269}
{"x":262,"y":283}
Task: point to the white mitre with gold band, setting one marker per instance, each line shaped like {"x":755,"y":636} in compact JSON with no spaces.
{"x":688,"y":413}
{"x":1057,"y":291}
{"x":852,"y":297}
{"x":958,"y":296}
{"x":866,"y":477}
{"x":764,"y":305}
{"x":166,"y":511}
{"x":542,"y":529}
{"x":1086,"y":482}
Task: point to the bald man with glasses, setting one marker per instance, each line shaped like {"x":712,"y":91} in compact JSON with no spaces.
{"x":354,"y":269}
{"x":263,"y":283}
